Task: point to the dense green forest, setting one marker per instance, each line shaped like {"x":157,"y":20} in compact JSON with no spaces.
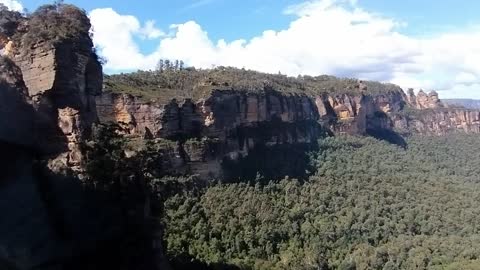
{"x":369,"y":205}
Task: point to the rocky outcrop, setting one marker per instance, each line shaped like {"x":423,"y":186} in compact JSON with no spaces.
{"x":62,"y":81}
{"x":47,"y":107}
{"x":423,"y":100}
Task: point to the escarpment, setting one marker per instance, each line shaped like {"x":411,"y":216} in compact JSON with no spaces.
{"x":230,"y":121}
{"x":222,"y":128}
{"x":54,"y":53}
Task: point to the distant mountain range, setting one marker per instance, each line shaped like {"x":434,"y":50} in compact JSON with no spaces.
{"x":467,"y":103}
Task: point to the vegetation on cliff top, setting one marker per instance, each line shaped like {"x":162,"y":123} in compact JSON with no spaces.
{"x":53,"y":23}
{"x":9,"y":21}
{"x":370,"y":205}
{"x":198,"y":83}
{"x":49,"y":24}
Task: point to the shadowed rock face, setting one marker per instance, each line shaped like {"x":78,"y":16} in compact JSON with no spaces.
{"x":16,"y":114}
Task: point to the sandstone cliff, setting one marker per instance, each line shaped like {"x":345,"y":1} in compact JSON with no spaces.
{"x":231,"y":120}
{"x":47,"y":107}
{"x":62,"y":79}
{"x":231,"y":123}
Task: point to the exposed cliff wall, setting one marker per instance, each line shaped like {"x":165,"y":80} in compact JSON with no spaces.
{"x":230,"y":126}
{"x":16,"y":114}
{"x":227,"y":125}
{"x":62,"y":80}
{"x":47,"y":107}
{"x":229,"y":129}
{"x":439,"y":122}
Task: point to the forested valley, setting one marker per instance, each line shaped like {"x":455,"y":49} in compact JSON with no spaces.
{"x":369,"y":205}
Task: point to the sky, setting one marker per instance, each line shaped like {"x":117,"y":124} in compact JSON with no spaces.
{"x":428,"y":44}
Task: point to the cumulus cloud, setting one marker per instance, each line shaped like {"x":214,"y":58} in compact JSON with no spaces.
{"x":335,"y":37}
{"x":149,"y":31}
{"x":12,"y":5}
{"x":114,"y":36}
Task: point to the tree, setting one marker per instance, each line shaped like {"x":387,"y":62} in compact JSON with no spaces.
{"x":168,"y":64}
{"x":176,"y":66}
{"x":160,"y":66}
{"x":9,"y":21}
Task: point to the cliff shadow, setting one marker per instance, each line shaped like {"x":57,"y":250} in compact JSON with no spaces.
{"x":389,"y":136}
{"x":270,"y":162}
{"x":53,"y":220}
{"x":380,"y":127}
{"x":279,"y":150}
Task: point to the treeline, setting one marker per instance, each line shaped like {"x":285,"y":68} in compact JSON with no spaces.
{"x":169,"y":65}
{"x":370,"y":205}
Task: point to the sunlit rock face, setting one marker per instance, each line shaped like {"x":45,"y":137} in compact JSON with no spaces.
{"x":234,"y":124}
{"x":62,"y":80}
{"x":230,"y":123}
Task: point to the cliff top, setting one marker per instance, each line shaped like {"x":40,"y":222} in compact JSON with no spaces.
{"x":197,"y":83}
{"x":48,"y":25}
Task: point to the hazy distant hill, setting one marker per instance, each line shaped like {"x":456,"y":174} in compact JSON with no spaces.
{"x":467,"y":103}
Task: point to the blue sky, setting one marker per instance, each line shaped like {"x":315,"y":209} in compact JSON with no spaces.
{"x":231,"y":19}
{"x":415,"y":43}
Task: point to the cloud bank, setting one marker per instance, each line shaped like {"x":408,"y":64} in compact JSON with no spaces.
{"x":334,"y":37}
{"x":12,"y":5}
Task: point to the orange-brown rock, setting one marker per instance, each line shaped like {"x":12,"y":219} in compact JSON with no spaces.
{"x":62,"y":80}
{"x":423,"y":100}
{"x":441,"y":122}
{"x":237,"y":121}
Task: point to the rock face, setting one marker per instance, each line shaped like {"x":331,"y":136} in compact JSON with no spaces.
{"x":225,"y":126}
{"x":424,"y":101}
{"x":62,"y":80}
{"x":440,"y":122}
{"x":230,"y":126}
{"x":16,"y":114}
{"x":47,"y":107}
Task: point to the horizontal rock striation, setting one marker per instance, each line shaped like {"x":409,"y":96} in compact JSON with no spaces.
{"x":235,"y":124}
{"x":230,"y":123}
{"x":439,"y":122}
{"x":62,"y":80}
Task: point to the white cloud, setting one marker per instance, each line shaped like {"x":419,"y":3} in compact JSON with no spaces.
{"x":326,"y":37}
{"x":149,"y":31}
{"x":114,"y":36}
{"x":12,"y":5}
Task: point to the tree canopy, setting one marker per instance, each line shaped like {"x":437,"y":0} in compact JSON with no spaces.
{"x":370,"y":205}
